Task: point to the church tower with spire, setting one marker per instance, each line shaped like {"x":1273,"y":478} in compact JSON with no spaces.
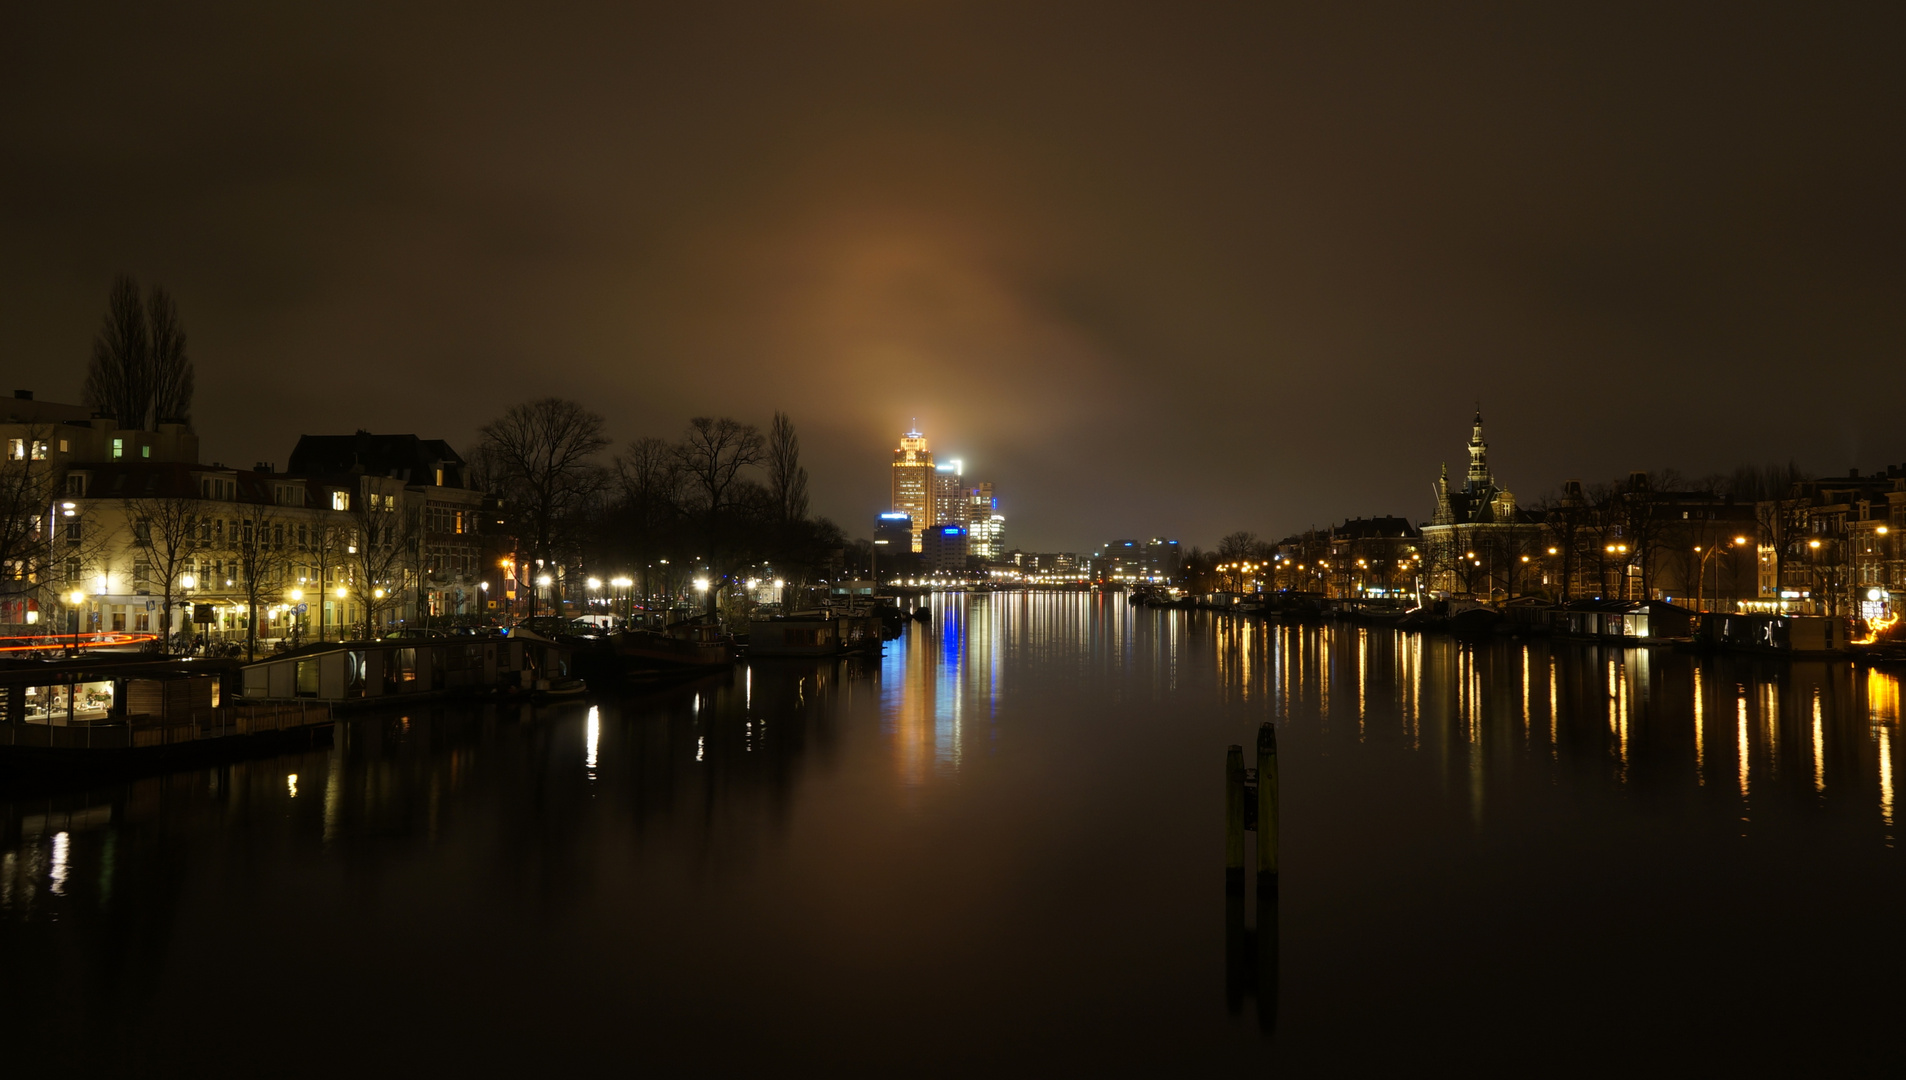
{"x":1478,"y":543}
{"x":1479,"y":478}
{"x":1478,"y":500}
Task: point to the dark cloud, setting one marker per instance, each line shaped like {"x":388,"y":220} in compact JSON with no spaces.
{"x":1154,"y":269}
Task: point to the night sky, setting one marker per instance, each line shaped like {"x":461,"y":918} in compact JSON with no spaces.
{"x":1153,"y":269}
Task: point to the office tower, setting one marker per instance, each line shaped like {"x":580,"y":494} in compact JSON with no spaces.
{"x":894,"y":531}
{"x":913,"y":483}
{"x":949,"y":493}
{"x":943,"y":549}
{"x":986,"y":536}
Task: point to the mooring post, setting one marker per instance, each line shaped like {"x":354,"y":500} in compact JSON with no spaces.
{"x":1266,"y":807}
{"x":1265,"y":967}
{"x":1234,"y":819}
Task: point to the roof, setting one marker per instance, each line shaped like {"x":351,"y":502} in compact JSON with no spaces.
{"x":1358,"y":528}
{"x":26,"y":410}
{"x":408,"y":458}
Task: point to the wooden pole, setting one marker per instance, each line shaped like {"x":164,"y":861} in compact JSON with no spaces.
{"x":1234,"y":819}
{"x":1266,"y":807}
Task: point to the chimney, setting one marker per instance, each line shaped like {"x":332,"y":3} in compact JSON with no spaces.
{"x":23,"y":395}
{"x":263,"y":467}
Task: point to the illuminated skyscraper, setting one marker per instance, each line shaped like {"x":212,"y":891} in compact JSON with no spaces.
{"x":985,"y":528}
{"x":914,"y":482}
{"x":949,"y":493}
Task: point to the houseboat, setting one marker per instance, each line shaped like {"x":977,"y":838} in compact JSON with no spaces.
{"x":368,"y":672}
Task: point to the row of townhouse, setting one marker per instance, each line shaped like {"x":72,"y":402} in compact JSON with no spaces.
{"x":109,"y":529}
{"x":1833,"y":544}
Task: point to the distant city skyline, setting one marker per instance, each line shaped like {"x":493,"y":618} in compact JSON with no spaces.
{"x":1644,"y":248}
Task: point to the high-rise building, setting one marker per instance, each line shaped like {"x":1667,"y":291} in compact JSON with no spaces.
{"x":949,"y":493}
{"x":986,"y":536}
{"x":913,"y":483}
{"x":895,"y":530}
{"x":944,"y":549}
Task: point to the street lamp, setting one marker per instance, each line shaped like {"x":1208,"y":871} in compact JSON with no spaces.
{"x":1700,"y":586}
{"x":296,"y":596}
{"x":626,"y":585}
{"x":77,"y":598}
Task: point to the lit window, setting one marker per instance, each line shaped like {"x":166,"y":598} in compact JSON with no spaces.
{"x":119,"y":449}
{"x":340,"y":500}
{"x":145,"y":451}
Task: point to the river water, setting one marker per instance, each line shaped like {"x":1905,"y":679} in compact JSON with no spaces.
{"x":1000,"y":846}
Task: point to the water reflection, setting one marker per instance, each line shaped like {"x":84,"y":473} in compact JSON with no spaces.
{"x":934,"y":810}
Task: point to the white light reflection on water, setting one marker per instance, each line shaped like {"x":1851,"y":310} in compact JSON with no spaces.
{"x":1819,"y":746}
{"x":56,"y":877}
{"x":595,"y":740}
{"x":1770,"y":725}
{"x":1886,"y":777}
{"x":1700,"y":730}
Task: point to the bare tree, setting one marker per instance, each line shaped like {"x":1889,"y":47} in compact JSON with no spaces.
{"x":140,"y":374}
{"x":257,"y":542}
{"x":1779,"y":511}
{"x":30,"y":484}
{"x":1238,"y":545}
{"x":165,"y":539}
{"x":380,"y":555}
{"x":650,"y":478}
{"x":542,"y":455}
{"x":119,"y":380}
{"x":712,"y":454}
{"x":328,"y":547}
{"x":172,"y":377}
{"x":787,"y":479}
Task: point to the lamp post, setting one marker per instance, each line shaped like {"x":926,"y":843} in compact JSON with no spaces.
{"x":187,"y":582}
{"x":1700,"y":587}
{"x":624,"y":584}
{"x":77,"y":598}
{"x":296,"y":596}
{"x":342,"y":594}
{"x":1813,"y":572}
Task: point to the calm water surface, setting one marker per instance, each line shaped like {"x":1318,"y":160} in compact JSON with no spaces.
{"x":1000,"y":847}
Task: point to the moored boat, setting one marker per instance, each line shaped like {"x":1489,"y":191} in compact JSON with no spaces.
{"x":684,"y":647}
